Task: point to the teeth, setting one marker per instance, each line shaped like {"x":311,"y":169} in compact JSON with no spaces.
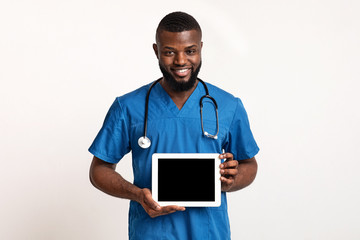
{"x":182,"y":70}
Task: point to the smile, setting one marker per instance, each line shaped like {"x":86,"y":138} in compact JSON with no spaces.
{"x":182,"y":72}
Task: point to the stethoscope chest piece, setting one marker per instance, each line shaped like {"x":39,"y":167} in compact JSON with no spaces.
{"x":144,"y":142}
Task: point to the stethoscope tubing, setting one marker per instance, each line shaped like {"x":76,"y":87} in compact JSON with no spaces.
{"x":145,"y":142}
{"x":217,"y":117}
{"x":147,"y":105}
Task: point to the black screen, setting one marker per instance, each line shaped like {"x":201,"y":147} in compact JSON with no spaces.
{"x":186,"y":180}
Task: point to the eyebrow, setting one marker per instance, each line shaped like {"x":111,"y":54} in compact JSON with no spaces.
{"x":171,"y":48}
{"x":192,"y":46}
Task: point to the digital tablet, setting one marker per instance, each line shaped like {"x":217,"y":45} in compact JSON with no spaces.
{"x":186,"y":179}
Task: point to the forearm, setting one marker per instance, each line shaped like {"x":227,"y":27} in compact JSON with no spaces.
{"x":105,"y":178}
{"x":247,"y":170}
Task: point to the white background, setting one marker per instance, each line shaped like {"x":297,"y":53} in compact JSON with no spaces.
{"x":295,"y":65}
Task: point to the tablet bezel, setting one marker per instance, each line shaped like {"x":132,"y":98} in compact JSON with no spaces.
{"x":217,"y":162}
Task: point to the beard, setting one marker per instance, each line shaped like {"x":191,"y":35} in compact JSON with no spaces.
{"x":180,"y":86}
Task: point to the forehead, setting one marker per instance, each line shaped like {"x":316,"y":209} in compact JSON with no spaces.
{"x":180,"y":39}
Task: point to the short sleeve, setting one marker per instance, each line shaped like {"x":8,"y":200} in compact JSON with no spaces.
{"x":240,"y":141}
{"x":112,"y":141}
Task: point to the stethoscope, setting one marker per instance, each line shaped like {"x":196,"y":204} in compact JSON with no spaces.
{"x":144,"y":141}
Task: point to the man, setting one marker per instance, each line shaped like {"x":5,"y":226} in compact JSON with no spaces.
{"x":174,"y":126}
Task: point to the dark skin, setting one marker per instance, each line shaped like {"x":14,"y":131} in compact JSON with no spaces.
{"x":180,"y":54}
{"x":178,"y":51}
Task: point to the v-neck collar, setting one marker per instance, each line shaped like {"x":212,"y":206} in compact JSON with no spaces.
{"x":170,"y":104}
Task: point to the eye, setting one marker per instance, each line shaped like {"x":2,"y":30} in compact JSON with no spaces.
{"x":169,"y":53}
{"x":191,"y":51}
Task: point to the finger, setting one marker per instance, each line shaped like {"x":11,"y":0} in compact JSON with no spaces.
{"x":154,"y":214}
{"x":166,"y":210}
{"x":172,"y":208}
{"x":227,"y":156}
{"x":149,"y":201}
{"x":227,"y":181}
{"x":229,"y":164}
{"x":229,"y":171}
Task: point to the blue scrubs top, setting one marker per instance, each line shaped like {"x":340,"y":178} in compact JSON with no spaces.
{"x":174,"y":131}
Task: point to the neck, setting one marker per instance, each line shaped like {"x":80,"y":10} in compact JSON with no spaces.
{"x":179,"y":98}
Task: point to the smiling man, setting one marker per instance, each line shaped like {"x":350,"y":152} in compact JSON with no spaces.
{"x":180,"y":63}
{"x":174,"y":126}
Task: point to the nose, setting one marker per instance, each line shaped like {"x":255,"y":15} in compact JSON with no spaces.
{"x":180,"y":59}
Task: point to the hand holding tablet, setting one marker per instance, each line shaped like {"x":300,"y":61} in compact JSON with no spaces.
{"x":152,"y":208}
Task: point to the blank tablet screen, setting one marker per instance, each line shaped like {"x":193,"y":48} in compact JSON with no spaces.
{"x":187,"y":179}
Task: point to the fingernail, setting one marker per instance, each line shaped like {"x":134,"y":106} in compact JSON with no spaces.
{"x":157,"y":207}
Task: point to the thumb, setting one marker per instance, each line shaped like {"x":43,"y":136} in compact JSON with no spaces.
{"x":149,"y":201}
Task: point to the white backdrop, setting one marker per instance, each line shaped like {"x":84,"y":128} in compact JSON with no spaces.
{"x":295,"y":65}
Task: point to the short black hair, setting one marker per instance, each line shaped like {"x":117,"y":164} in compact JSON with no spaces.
{"x":178,"y":22}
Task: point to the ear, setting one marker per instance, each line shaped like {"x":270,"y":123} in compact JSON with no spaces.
{"x":156,"y":50}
